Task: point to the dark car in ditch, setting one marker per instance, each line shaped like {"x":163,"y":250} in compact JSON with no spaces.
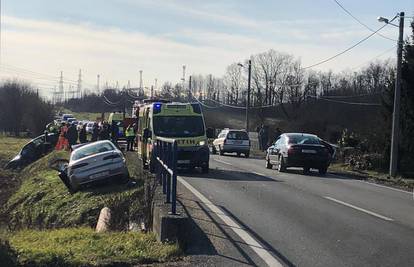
{"x":33,"y":150}
{"x":299,"y":150}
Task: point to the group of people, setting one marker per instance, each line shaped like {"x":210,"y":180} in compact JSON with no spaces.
{"x":70,"y":134}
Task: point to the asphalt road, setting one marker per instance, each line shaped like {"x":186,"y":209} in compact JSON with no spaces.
{"x":293,"y":219}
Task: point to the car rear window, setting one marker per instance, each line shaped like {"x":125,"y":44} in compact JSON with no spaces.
{"x":237,"y":136}
{"x":303,"y":139}
{"x":92,"y":150}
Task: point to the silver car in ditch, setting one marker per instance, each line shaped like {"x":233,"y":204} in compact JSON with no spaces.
{"x":94,"y":162}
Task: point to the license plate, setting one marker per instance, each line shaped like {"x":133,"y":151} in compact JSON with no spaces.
{"x":183,"y":161}
{"x":308,"y":151}
{"x":238,"y":142}
{"x":98,"y":175}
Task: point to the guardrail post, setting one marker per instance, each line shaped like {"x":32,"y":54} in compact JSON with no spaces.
{"x":174,"y":179}
{"x":168,"y":163}
{"x":163,"y":171}
{"x":166,"y":169}
{"x":158,"y":166}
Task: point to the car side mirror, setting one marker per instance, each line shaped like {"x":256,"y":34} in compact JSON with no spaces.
{"x":210,"y":133}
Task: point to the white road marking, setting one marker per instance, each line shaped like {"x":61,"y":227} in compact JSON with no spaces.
{"x":225,"y":162}
{"x":387,"y":187}
{"x":243,"y":234}
{"x":360,"y":209}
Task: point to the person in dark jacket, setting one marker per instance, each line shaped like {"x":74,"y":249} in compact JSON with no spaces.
{"x":114,"y":132}
{"x":104,"y":132}
{"x":72,"y":135}
{"x":82,"y":134}
{"x":95,"y":132}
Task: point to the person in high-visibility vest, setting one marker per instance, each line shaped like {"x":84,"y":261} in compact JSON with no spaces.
{"x":62,"y":142}
{"x":130,"y":136}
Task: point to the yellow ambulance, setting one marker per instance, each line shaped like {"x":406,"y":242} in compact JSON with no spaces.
{"x":183,"y":122}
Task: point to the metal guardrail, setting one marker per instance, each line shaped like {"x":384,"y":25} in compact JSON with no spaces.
{"x":166,"y":169}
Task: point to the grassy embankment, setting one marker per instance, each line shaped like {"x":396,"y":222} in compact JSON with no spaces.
{"x":61,"y":223}
{"x":373,"y":176}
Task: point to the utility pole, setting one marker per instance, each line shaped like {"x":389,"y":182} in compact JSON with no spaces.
{"x":152,"y":91}
{"x":183,"y":79}
{"x":97,"y":83}
{"x":79,"y":93}
{"x":129,"y":84}
{"x":189,"y":90}
{"x":397,"y":96}
{"x":248,"y":95}
{"x":141,"y":89}
{"x":61,"y":90}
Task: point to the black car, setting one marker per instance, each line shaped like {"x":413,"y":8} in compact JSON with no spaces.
{"x":33,"y":150}
{"x":299,"y":150}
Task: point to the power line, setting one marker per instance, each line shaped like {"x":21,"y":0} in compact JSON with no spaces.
{"x":349,"y":96}
{"x":377,"y":56}
{"x":360,"y":22}
{"x":349,"y":48}
{"x":345,"y":102}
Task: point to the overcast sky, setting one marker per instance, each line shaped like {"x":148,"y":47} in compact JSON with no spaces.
{"x":117,"y":38}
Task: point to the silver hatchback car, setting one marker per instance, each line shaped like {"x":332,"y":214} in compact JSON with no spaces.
{"x":232,"y":141}
{"x":96,"y":161}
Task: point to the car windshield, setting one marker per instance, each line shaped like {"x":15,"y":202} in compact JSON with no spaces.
{"x":237,"y":135}
{"x":301,"y":139}
{"x":92,"y":150}
{"x":178,"y":126}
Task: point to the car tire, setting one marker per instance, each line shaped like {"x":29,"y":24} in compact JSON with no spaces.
{"x":213,"y":150}
{"x":282,"y":164}
{"x":246,"y":155}
{"x":238,"y":154}
{"x":306,"y":170}
{"x":205,"y":168}
{"x":221,"y":151}
{"x":322,"y":171}
{"x":268,"y":164}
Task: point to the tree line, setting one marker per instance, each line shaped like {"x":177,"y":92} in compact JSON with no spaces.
{"x":22,"y":110}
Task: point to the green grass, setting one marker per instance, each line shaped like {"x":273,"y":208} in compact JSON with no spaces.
{"x":90,"y":116}
{"x":9,"y":147}
{"x":43,"y":201}
{"x":406,"y":183}
{"x":51,"y":227}
{"x":84,"y":247}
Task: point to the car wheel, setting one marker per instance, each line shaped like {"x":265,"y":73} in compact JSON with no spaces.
{"x":282,"y":164}
{"x":306,"y":170}
{"x":221,"y":151}
{"x":205,"y":168}
{"x":322,"y":171}
{"x":213,"y":150}
{"x":238,"y":154}
{"x":268,"y":164}
{"x":125,"y":178}
{"x":246,"y":155}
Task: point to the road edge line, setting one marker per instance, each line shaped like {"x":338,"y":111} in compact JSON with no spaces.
{"x":262,"y":252}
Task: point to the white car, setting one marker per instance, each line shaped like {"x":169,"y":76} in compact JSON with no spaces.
{"x":89,"y":127}
{"x":232,"y":141}
{"x":94,"y":162}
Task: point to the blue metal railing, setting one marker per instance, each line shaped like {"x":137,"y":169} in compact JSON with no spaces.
{"x":166,"y":169}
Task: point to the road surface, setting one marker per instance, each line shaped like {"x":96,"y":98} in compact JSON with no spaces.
{"x":290,"y":219}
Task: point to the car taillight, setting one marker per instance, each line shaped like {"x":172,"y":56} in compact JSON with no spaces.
{"x":225,"y":141}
